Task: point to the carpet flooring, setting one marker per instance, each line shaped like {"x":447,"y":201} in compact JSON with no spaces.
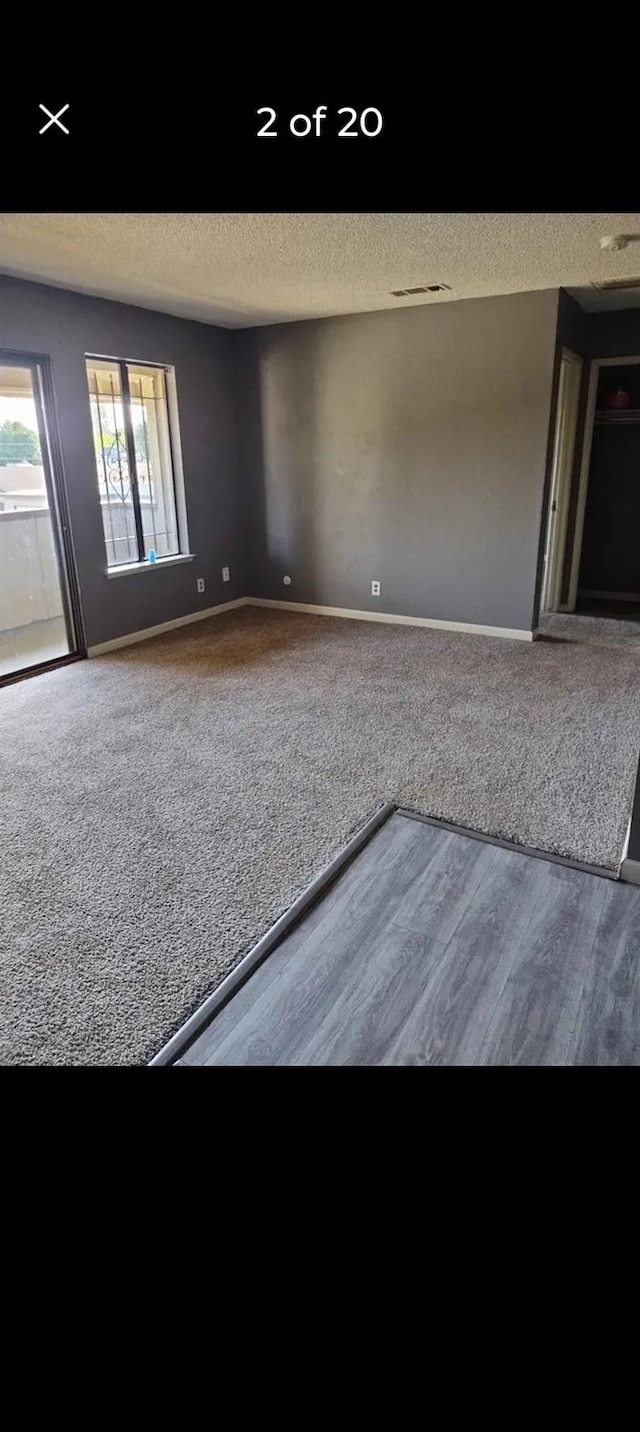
{"x":163,"y":804}
{"x":593,"y":631}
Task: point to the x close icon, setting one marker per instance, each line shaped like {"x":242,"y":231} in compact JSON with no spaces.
{"x":54,"y":119}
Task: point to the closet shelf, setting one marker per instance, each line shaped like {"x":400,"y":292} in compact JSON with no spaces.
{"x":619,"y":417}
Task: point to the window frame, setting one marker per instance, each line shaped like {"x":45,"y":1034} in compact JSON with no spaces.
{"x":183,"y":554}
{"x":41,"y":367}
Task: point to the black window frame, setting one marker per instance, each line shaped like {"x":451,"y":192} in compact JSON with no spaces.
{"x":41,"y":368}
{"x":123,"y":365}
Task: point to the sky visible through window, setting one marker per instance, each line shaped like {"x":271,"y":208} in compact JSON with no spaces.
{"x":19,"y":410}
{"x":19,"y":439}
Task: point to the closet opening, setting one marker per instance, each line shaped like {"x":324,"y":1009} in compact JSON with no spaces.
{"x":605,"y":559}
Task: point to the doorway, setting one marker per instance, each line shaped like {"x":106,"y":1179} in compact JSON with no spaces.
{"x":39,"y":617}
{"x":605,"y":566}
{"x":561,"y":471}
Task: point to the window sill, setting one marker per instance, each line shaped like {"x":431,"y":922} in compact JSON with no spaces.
{"x":126,"y":570}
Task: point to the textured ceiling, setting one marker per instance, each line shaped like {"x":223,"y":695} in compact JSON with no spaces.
{"x":243,"y":269}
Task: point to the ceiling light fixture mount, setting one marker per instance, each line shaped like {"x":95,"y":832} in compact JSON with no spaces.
{"x":614,"y":285}
{"x":611,"y":243}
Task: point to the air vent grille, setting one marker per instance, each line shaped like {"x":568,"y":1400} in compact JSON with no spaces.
{"x":423,"y":288}
{"x":615,"y":283}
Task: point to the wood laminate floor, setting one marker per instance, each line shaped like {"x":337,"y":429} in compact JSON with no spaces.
{"x":437,"y":948}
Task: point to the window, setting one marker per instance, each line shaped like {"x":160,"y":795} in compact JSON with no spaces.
{"x":136,"y":481}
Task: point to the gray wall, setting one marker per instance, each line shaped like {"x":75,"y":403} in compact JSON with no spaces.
{"x":35,"y":318}
{"x":407,"y":446}
{"x":574,"y":325}
{"x":615,"y":335}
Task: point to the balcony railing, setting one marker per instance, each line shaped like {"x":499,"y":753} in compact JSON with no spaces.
{"x":29,"y":580}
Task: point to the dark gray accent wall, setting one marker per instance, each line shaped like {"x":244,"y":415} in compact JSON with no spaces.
{"x":574,"y":325}
{"x":615,"y":335}
{"x":35,"y":318}
{"x":409,"y":447}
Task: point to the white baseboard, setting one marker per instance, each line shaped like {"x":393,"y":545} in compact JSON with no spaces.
{"x":135,"y":636}
{"x":472,"y":627}
{"x":630,"y":871}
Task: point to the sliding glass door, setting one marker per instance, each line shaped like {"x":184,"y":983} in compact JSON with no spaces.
{"x":36,"y":615}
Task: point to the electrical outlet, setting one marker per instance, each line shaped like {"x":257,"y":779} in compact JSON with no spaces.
{"x":200,"y":584}
{"x":225,"y":574}
{"x":375,"y":589}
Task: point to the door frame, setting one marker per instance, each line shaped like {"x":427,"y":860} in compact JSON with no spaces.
{"x":578,"y":531}
{"x":564,"y":446}
{"x":39,"y":366}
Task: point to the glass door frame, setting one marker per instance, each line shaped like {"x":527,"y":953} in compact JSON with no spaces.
{"x":39,"y":366}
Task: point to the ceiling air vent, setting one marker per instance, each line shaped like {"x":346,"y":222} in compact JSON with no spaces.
{"x":424,"y":288}
{"x":615,"y":283}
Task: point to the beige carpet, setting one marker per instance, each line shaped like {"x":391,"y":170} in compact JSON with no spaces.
{"x":162,"y":805}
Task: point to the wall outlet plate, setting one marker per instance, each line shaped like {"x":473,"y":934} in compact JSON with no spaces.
{"x":200,"y":584}
{"x":225,"y":574}
{"x":375,"y":589}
